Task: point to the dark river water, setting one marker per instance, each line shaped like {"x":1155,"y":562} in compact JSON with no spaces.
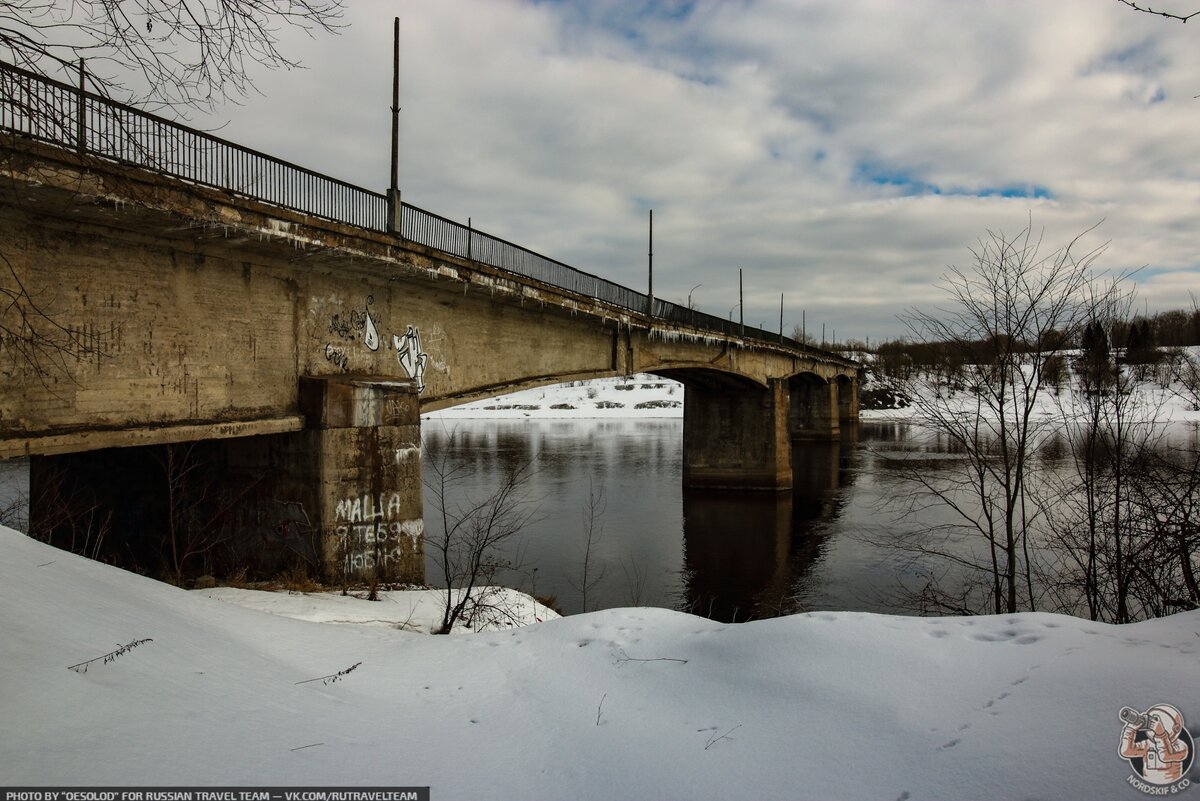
{"x":725,"y":555}
{"x":731,"y":556}
{"x":840,"y":540}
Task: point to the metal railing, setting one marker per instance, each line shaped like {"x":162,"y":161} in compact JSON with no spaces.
{"x":93,"y":125}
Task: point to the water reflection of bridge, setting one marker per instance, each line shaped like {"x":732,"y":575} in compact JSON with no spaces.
{"x":762,"y":571}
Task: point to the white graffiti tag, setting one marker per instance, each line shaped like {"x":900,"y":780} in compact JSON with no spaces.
{"x":371,"y":335}
{"x":411,"y":356}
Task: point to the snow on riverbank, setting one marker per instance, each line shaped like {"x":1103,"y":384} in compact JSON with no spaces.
{"x":1153,"y":402}
{"x":621,"y":704}
{"x":646,"y":395}
{"x":418,"y":611}
{"x":640,"y":395}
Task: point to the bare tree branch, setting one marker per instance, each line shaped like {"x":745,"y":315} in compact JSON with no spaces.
{"x":166,"y":53}
{"x":1156,"y":12}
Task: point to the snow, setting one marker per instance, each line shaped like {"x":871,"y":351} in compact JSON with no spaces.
{"x":663,"y":398}
{"x":409,"y":610}
{"x":624,"y":704}
{"x":1163,"y":402}
{"x":641,"y":395}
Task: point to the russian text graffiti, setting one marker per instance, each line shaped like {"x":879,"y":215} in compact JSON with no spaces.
{"x":371,"y":534}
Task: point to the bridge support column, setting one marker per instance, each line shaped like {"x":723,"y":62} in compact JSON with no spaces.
{"x":814,"y":408}
{"x":363,"y":467}
{"x":847,"y":400}
{"x":736,"y":437}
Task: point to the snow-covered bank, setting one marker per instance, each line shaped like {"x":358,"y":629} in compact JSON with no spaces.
{"x":646,"y":395}
{"x":641,"y":395}
{"x":626,"y":703}
{"x":1167,"y":403}
{"x":420,"y":611}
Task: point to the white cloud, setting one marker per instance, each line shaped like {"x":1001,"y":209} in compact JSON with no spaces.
{"x":802,"y":141}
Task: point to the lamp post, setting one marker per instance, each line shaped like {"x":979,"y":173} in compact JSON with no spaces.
{"x":395,"y":208}
{"x":690,"y":291}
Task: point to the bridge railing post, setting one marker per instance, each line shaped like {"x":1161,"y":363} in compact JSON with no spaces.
{"x":395,"y":212}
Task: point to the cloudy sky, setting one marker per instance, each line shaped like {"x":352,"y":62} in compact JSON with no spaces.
{"x":843,"y":153}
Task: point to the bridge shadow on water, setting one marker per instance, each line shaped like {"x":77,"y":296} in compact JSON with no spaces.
{"x":750,"y":555}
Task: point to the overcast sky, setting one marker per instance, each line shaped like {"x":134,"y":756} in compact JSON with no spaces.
{"x":843,"y":153}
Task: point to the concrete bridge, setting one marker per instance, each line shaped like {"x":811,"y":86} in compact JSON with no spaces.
{"x":293,"y":351}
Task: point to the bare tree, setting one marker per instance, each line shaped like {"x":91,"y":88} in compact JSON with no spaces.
{"x":473,"y":532}
{"x":1110,"y":431}
{"x":69,"y":516}
{"x":1184,"y":370}
{"x":168,"y":53}
{"x":590,"y":574}
{"x":1006,"y":315}
{"x":32,"y":339}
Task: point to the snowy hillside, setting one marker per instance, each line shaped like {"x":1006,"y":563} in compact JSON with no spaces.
{"x":640,"y":395}
{"x":646,"y":395}
{"x":624,"y":704}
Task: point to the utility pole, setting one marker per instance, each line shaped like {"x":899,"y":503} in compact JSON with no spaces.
{"x":650,"y":255}
{"x":741,"y":304}
{"x":395,"y":206}
{"x":781,"y":317}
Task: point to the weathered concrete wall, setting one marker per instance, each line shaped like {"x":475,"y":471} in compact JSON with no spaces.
{"x":848,"y":405}
{"x":364,"y":467}
{"x":341,"y":500}
{"x":164,"y":332}
{"x":175,"y":313}
{"x":736,"y":437}
{"x":813,"y":407}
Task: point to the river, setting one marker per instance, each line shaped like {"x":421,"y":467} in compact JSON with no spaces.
{"x":731,"y":556}
{"x":835,"y":542}
{"x":725,"y":555}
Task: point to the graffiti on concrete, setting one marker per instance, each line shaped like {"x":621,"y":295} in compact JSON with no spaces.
{"x":364,"y":325}
{"x":337,"y":355}
{"x":354,"y":325}
{"x":411,"y":355}
{"x":371,"y":533}
{"x":370,"y":333}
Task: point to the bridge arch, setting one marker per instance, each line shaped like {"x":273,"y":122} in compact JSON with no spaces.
{"x":493,"y":390}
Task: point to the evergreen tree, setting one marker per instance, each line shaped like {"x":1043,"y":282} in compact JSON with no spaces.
{"x":1095,"y":358}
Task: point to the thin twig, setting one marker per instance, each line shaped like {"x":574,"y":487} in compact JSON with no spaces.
{"x":82,"y":667}
{"x":600,"y":707}
{"x":713,"y":740}
{"x":1167,"y":14}
{"x":331,"y":678}
{"x":302,"y":747}
{"x":621,"y":657}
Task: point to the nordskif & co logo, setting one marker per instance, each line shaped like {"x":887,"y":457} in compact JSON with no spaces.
{"x":1158,"y":747}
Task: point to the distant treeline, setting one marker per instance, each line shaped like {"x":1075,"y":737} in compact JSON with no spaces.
{"x":1139,"y":339}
